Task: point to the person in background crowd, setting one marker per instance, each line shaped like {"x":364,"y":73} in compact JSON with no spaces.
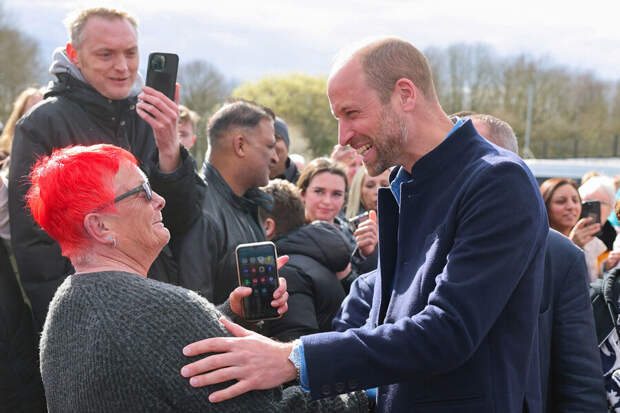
{"x":24,"y":102}
{"x":21,"y":389}
{"x":588,"y":175}
{"x":20,"y":380}
{"x":600,"y":188}
{"x":188,"y":119}
{"x":95,"y":100}
{"x":299,"y":160}
{"x":285,"y":168}
{"x":318,"y":257}
{"x":349,"y":158}
{"x":323,"y":187}
{"x":450,"y":231}
{"x":242,"y":150}
{"x":363,"y":192}
{"x":563,"y":205}
{"x":99,"y":207}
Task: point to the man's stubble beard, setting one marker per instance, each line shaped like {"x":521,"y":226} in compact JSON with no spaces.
{"x":388,"y":143}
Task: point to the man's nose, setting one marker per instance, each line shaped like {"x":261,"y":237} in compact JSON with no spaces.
{"x":345,"y":134}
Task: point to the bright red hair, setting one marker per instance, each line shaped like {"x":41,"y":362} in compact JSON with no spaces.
{"x":71,"y":183}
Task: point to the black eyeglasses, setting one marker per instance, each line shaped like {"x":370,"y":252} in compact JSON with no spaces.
{"x":142,"y":187}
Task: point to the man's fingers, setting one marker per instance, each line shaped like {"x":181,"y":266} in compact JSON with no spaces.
{"x":234,"y":329}
{"x":229,"y":392}
{"x":281,"y":288}
{"x":177,"y":93}
{"x":208,"y":345}
{"x":240,"y":292}
{"x":283,"y":259}
{"x":207,"y":364}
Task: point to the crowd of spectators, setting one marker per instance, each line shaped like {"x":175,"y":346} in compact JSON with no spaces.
{"x":121,"y":137}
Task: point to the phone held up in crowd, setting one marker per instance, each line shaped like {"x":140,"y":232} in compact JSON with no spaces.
{"x":257,"y":269}
{"x":162,"y":72}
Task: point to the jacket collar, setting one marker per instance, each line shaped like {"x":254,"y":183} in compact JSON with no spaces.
{"x":86,"y":96}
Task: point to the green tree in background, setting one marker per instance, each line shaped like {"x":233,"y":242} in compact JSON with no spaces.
{"x":300,"y":100}
{"x":20,"y":65}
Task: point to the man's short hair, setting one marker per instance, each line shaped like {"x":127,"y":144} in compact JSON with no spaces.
{"x":188,"y":115}
{"x":385,"y":61}
{"x":76,"y":21}
{"x":501,"y":132}
{"x":288,"y":210}
{"x":240,"y":114}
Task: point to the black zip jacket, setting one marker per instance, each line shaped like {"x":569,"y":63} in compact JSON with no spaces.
{"x":316,"y":252}
{"x":74,"y":113}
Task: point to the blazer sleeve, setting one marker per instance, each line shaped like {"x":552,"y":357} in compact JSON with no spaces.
{"x":355,"y":309}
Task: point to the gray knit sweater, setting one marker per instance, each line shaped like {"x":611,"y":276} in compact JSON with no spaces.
{"x":112,"y":342}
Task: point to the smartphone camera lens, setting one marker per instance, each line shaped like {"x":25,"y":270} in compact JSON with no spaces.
{"x":158,"y":63}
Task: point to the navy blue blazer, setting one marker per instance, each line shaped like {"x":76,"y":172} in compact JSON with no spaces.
{"x":457,"y":297}
{"x":570,"y":365}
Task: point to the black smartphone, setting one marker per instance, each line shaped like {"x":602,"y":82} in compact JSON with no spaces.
{"x":161,"y":73}
{"x":257,"y":269}
{"x":591,"y":209}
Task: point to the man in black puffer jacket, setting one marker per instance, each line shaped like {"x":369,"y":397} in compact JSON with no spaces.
{"x":318,"y":257}
{"x":95,"y":100}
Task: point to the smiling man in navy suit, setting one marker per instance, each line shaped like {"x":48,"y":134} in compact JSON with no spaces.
{"x":462,"y":239}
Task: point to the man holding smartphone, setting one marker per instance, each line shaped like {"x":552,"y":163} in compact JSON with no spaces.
{"x":97,"y":98}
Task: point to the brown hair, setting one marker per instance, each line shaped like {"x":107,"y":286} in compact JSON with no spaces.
{"x":19,"y":109}
{"x":548,"y":188}
{"x":288,"y":210}
{"x":318,"y":166}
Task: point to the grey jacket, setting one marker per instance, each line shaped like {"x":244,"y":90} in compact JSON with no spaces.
{"x":206,"y":254}
{"x":112,"y":343}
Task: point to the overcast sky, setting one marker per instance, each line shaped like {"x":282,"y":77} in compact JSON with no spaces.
{"x":249,"y":39}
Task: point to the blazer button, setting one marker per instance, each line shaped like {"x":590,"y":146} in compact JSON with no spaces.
{"x":326,"y":390}
{"x":353,"y":384}
{"x":339,"y":387}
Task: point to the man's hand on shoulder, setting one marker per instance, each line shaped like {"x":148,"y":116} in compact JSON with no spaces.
{"x":255,"y":361}
{"x":162,"y":114}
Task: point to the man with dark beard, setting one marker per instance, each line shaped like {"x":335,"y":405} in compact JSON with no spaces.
{"x":462,"y":233}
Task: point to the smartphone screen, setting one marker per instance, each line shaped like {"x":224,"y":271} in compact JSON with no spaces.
{"x":591,"y":209}
{"x":256,"y":265}
{"x":161,"y":73}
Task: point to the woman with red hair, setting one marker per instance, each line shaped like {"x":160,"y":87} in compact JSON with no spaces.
{"x":112,"y":339}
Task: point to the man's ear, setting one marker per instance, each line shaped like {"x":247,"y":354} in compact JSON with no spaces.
{"x":406,"y":94}
{"x":72,"y":53}
{"x":270,"y":228}
{"x":98,"y":229}
{"x":239,"y":146}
